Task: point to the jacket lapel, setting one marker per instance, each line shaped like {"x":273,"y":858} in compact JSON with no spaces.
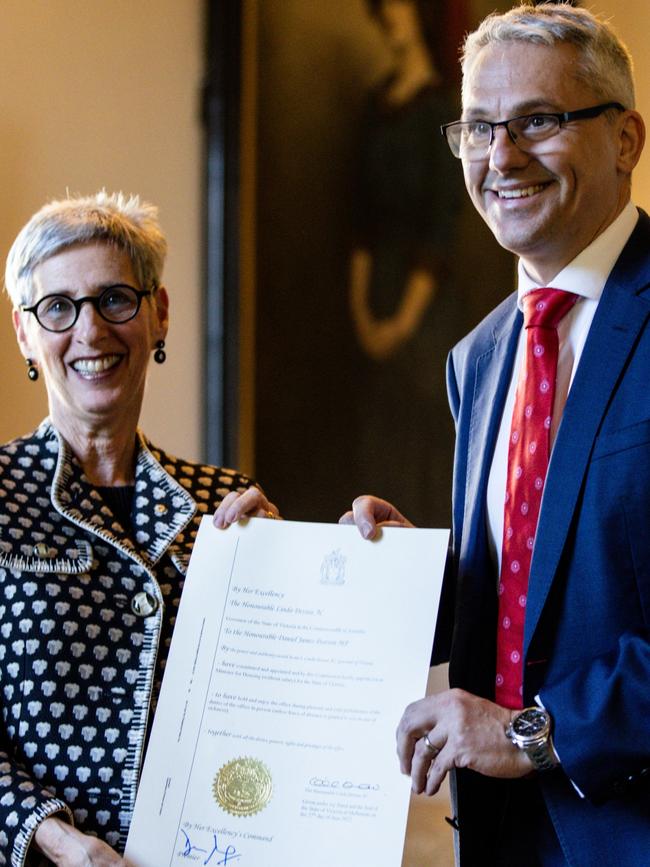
{"x":162,"y":508}
{"x":473,"y":636}
{"x":620,"y":316}
{"x":493,"y":370}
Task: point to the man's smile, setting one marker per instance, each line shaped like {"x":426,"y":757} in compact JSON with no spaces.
{"x":520,"y":192}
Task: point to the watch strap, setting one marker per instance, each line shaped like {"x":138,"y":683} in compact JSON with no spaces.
{"x":542,"y":755}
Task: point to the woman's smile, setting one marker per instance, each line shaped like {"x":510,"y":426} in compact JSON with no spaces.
{"x":92,"y":368}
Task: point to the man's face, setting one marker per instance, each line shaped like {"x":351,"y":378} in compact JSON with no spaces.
{"x":548,"y":205}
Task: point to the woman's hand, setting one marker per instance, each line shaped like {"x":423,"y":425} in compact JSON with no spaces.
{"x":66,"y":846}
{"x":369,"y":513}
{"x":252,"y":503}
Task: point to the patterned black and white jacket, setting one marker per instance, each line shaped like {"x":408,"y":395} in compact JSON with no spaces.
{"x":86,"y":615}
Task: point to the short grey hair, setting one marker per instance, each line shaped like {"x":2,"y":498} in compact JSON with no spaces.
{"x":604,"y":62}
{"x":115,"y":218}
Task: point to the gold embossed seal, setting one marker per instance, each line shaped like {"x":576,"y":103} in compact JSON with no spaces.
{"x":243,"y":786}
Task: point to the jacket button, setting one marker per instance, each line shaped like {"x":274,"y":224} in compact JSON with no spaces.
{"x":43,"y":551}
{"x":144,"y":604}
{"x":160,"y":509}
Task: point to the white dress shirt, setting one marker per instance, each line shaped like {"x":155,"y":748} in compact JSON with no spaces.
{"x":586,"y":276}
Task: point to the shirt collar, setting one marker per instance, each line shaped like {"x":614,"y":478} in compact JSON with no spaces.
{"x":587,"y":274}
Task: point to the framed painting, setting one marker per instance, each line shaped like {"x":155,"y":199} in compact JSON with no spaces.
{"x":356,"y":259}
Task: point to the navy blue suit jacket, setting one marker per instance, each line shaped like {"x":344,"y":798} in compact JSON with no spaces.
{"x":587,"y":636}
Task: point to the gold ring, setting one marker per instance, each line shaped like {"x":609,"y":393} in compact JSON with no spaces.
{"x":270,"y":514}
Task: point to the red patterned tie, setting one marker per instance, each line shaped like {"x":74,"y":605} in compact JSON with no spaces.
{"x":528,"y":457}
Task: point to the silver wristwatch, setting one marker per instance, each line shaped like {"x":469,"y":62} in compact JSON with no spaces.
{"x":530,"y":731}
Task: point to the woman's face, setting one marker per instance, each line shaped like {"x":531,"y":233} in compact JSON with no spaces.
{"x":94,"y":372}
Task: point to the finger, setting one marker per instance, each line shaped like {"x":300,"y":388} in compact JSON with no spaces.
{"x":238,"y":504}
{"x":419,"y":719}
{"x":246,"y":505}
{"x":363,"y":509}
{"x":269,"y":510}
{"x":406,"y":744}
{"x":219,"y":520}
{"x":438,"y":770}
{"x":368,"y":512}
{"x":424,"y":754}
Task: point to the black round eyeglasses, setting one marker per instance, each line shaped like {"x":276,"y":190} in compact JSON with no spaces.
{"x":115,"y":304}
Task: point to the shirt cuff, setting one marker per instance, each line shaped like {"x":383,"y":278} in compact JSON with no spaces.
{"x":540,"y":704}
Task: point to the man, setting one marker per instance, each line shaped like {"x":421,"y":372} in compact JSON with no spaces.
{"x":545,"y":615}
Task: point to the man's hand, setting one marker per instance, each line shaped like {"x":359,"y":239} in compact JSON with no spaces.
{"x":252,"y":503}
{"x":65,"y":846}
{"x":369,"y":513}
{"x":466,"y":731}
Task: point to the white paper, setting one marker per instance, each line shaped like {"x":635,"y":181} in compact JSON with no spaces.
{"x":296,"y":649}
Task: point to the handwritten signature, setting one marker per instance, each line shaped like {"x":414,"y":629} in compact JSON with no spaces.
{"x":228,"y":854}
{"x":324,"y":783}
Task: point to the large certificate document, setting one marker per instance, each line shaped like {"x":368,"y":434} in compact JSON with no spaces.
{"x":295,"y":651}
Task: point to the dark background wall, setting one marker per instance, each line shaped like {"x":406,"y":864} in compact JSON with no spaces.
{"x":315,"y":65}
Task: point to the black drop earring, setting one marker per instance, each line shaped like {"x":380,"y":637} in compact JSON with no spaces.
{"x":32,"y":370}
{"x":159,"y":355}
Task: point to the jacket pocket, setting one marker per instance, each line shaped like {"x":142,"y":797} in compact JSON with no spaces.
{"x":628,"y":437}
{"x":73,"y":559}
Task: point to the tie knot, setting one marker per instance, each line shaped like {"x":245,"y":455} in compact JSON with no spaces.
{"x":545,"y":307}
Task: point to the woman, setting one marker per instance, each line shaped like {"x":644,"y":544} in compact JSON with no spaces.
{"x":96,"y":528}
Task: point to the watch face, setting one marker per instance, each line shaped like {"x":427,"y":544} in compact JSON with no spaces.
{"x":530,"y":722}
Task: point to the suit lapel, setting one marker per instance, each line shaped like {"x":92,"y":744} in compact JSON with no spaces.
{"x":620,"y":316}
{"x":493,"y":369}
{"x":491,"y":364}
{"x":485,"y":375}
